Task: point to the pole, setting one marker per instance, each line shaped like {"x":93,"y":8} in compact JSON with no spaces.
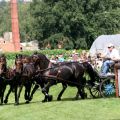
{"x":15,"y":25}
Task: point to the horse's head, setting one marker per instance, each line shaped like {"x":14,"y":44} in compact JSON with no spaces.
{"x":18,"y":64}
{"x":94,"y":76}
{"x":35,"y":58}
{"x":40,"y":61}
{"x":3,"y":66}
{"x":26,"y":59}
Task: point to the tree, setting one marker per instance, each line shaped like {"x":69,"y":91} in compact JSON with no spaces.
{"x":5,"y":18}
{"x":25,"y":21}
{"x":80,"y":21}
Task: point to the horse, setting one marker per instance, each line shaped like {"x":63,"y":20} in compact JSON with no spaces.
{"x":23,"y":76}
{"x":67,"y":73}
{"x":25,"y":72}
{"x":3,"y":69}
{"x":5,"y":76}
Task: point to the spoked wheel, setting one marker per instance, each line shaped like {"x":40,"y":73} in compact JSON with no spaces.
{"x":107,"y":87}
{"x":95,"y":91}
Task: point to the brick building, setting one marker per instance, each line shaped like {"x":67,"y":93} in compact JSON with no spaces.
{"x":6,"y":43}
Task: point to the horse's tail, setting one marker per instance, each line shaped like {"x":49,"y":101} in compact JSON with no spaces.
{"x":91,"y":72}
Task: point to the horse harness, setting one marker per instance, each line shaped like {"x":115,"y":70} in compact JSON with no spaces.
{"x":56,"y":78}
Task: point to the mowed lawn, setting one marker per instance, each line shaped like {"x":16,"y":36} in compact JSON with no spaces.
{"x":67,"y":109}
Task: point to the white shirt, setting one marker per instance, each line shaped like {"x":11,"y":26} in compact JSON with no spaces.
{"x":114,"y":54}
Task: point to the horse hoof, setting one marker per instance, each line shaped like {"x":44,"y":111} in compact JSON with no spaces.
{"x":82,"y":97}
{"x":30,"y":98}
{"x":1,"y":103}
{"x":76,"y":98}
{"x":85,"y":95}
{"x":50,"y":97}
{"x":16,"y":103}
{"x":27,"y":102}
{"x":58,"y":99}
{"x":43,"y":101}
{"x":5,"y":101}
{"x":26,"y":98}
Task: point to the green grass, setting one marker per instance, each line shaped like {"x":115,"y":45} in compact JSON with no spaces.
{"x":67,"y":109}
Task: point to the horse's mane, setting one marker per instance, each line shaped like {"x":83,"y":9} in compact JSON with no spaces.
{"x":92,"y":73}
{"x":42,"y":60}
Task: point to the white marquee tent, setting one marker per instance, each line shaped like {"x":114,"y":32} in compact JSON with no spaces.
{"x":100,"y":44}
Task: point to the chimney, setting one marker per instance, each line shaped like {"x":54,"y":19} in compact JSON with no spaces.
{"x":15,"y":25}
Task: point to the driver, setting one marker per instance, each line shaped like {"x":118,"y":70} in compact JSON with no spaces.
{"x":109,"y":57}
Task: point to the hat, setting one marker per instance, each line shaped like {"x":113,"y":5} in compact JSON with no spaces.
{"x":110,"y":45}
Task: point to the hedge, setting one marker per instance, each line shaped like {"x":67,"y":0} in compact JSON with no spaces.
{"x":47,"y":52}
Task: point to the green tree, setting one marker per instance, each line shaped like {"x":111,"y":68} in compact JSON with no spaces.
{"x":80,"y":21}
{"x":74,"y":22}
{"x":5,"y":18}
{"x":103,"y":17}
{"x":25,"y":21}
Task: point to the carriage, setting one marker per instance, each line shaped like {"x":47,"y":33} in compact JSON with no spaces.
{"x":100,"y":45}
{"x":66,"y":73}
{"x":104,"y":88}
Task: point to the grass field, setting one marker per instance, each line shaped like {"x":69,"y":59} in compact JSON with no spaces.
{"x":67,"y":109}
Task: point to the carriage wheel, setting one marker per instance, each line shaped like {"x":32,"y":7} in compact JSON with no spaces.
{"x":95,"y":91}
{"x":107,"y":88}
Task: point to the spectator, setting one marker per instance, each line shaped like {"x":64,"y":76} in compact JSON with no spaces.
{"x":75,"y":56}
{"x":109,"y":57}
{"x":53,"y":59}
{"x":84,"y":56}
{"x":61,"y":58}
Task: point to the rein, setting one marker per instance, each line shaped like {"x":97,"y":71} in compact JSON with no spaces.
{"x":58,"y":78}
{"x":55,"y":78}
{"x":56,"y":66}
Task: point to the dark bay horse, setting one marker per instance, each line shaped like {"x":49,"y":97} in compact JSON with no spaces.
{"x":3,"y":70}
{"x":25,"y":72}
{"x":23,"y":76}
{"x":67,"y":73}
{"x":6,"y":75}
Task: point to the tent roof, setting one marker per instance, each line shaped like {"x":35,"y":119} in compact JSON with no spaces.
{"x":100,"y":44}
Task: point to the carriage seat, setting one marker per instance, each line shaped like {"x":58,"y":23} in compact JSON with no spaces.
{"x":113,"y":65}
{"x":111,"y":72}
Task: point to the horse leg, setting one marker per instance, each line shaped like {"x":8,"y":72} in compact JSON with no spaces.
{"x":62,"y":91}
{"x":41,"y":84}
{"x":45,"y":91}
{"x":81,"y":92}
{"x":17,"y":94}
{"x":77,"y":95}
{"x":2,"y":95}
{"x":9,"y":91}
{"x":33,"y":91}
{"x":16,"y":97}
{"x":27,"y":92}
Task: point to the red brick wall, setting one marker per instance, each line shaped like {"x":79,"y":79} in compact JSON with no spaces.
{"x":7,"y":47}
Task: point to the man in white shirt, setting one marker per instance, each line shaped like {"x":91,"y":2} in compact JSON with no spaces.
{"x":111,"y":55}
